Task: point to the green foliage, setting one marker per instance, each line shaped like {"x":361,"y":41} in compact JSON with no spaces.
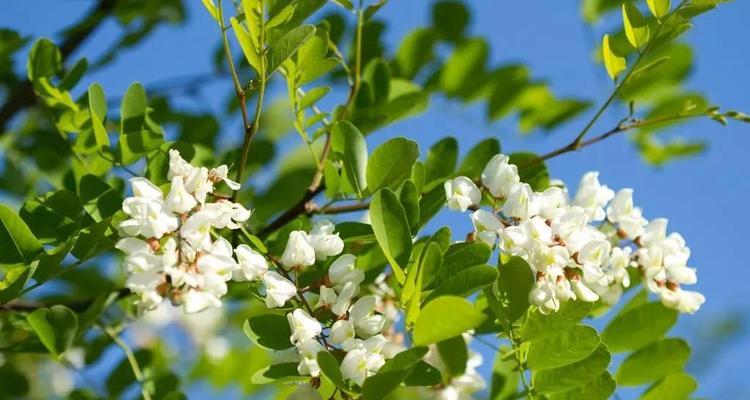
{"x":391,"y":228}
{"x":269,"y":330}
{"x":444,"y":318}
{"x":56,"y":328}
{"x":653,"y":362}
{"x":391,"y":163}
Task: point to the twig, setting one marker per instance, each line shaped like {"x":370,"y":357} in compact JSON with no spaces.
{"x":131,"y":358}
{"x":623,"y":127}
{"x":328,"y":210}
{"x":76,"y":306}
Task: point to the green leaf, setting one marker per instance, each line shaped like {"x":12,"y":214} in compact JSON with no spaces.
{"x":599,"y":388}
{"x":378,"y":76}
{"x":676,"y":386}
{"x":17,"y":243}
{"x":313,"y":96}
{"x":464,"y":255}
{"x":532,"y":172}
{"x":477,"y":158}
{"x":382,"y":384}
{"x":405,"y":359}
{"x":659,"y":8}
{"x":409,"y":198}
{"x":56,"y":327}
{"x":391,"y":229}
{"x":74,"y":75}
{"x":211,"y":8}
{"x":396,"y":370}
{"x":270,"y":331}
{"x":98,"y":114}
{"x":463,"y":66}
{"x":284,"y":372}
{"x":572,"y":375}
{"x":636,"y":26}
{"x":563,"y":348}
{"x":454,"y":354}
{"x":612,"y":62}
{"x":505,"y":376}
{"x":248,"y":46}
{"x":450,"y":19}
{"x":133,"y":109}
{"x":414,"y":52}
{"x":330,"y":367}
{"x":653,"y":362}
{"x":444,"y":318}
{"x":391,"y":163}
{"x":513,"y":286}
{"x":638,"y":327}
{"x":467,"y":281}
{"x":441,"y":161}
{"x":287,"y":45}
{"x":349,"y":142}
{"x":332,"y":179}
{"x":44,"y":60}
{"x":537,"y":325}
{"x":424,"y":374}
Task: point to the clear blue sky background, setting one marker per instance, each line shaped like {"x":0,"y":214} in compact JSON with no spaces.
{"x":705,"y":198}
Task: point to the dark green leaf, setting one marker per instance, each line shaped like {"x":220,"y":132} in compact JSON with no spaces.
{"x":513,"y":286}
{"x":477,"y":158}
{"x":349,"y":142}
{"x":17,"y":243}
{"x":269,"y":330}
{"x":454,"y":354}
{"x":391,"y":229}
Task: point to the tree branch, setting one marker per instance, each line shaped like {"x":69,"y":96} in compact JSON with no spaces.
{"x":22,"y":95}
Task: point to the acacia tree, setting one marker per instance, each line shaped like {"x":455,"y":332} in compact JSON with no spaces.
{"x":127,"y":224}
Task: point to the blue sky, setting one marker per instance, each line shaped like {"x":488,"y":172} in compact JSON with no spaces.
{"x":705,"y":198}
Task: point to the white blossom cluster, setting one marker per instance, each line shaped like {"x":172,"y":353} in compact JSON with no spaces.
{"x":169,"y":250}
{"x":357,"y":328}
{"x":577,"y":248}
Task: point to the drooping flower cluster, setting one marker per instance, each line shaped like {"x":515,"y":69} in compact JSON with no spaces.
{"x":577,"y":248}
{"x":355,"y":327}
{"x":167,"y":240}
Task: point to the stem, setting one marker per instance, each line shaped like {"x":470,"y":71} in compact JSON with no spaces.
{"x":526,"y":386}
{"x":131,"y":358}
{"x":573,"y":146}
{"x":579,"y":138}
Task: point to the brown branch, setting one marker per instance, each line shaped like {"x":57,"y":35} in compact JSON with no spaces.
{"x":341,"y":209}
{"x":622,"y":127}
{"x":22,"y":95}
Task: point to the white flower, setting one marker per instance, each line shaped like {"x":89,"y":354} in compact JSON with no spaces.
{"x":148,"y":215}
{"x":462,"y":193}
{"x":327,"y":297}
{"x":593,"y":196}
{"x":309,"y":350}
{"x":498,"y":176}
{"x":343,"y":270}
{"x":197,"y":300}
{"x":220,"y":173}
{"x":622,"y":212}
{"x":145,"y":285}
{"x":552,"y":203}
{"x":583,"y":292}
{"x":197,"y":230}
{"x":225,"y":214}
{"x":655,"y":230}
{"x":683,"y":301}
{"x":177,"y":165}
{"x":341,"y":331}
{"x":324,"y":241}
{"x":366,"y":323}
{"x":521,"y":202}
{"x":218,"y":259}
{"x":278,"y":289}
{"x":303,"y":326}
{"x":592,"y":256}
{"x":178,"y":200}
{"x":197,"y":183}
{"x":299,"y":251}
{"x":341,"y":305}
{"x":252,"y":265}
{"x":487,"y":226}
{"x":358,"y":364}
{"x":543,"y":296}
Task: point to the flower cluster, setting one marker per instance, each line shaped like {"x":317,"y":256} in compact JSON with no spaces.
{"x":355,"y":325}
{"x":577,"y":248}
{"x":167,"y":239}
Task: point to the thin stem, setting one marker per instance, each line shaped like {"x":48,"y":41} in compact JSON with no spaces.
{"x":579,"y":138}
{"x":526,"y":386}
{"x":131,"y":358}
{"x":328,"y":210}
{"x":623,"y":127}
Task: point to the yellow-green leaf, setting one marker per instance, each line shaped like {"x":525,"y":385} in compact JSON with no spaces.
{"x":211,"y":7}
{"x":659,"y":8}
{"x":636,"y":27}
{"x":614,"y":63}
{"x":252,"y":53}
